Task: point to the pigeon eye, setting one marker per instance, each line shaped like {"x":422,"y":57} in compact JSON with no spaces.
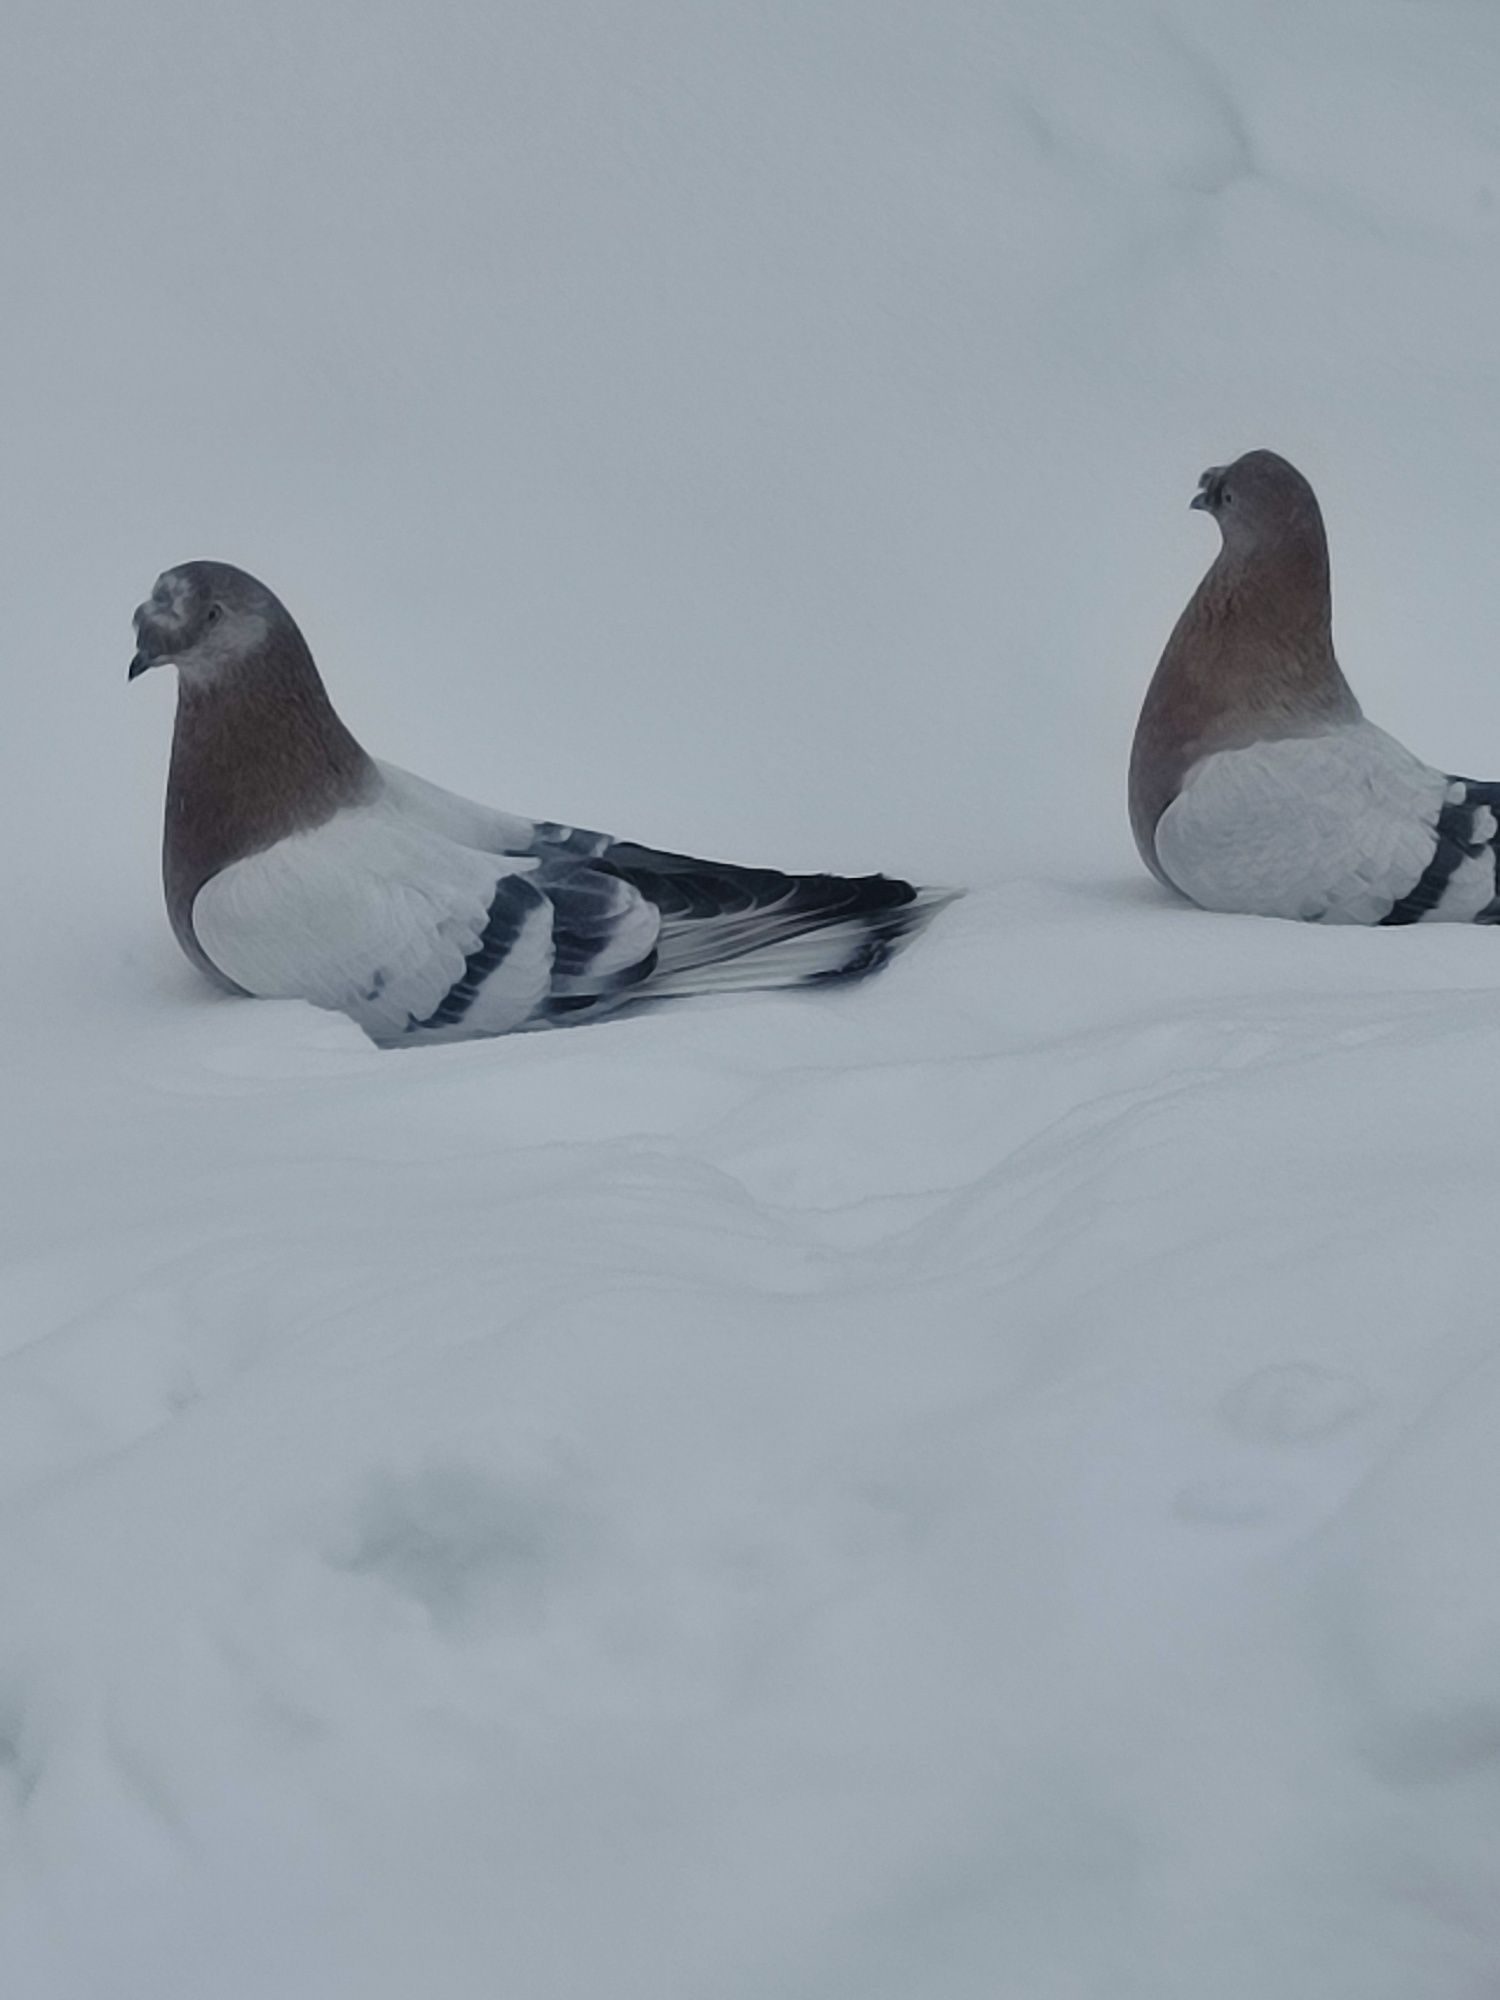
{"x":215,"y":613}
{"x":1226,"y":497}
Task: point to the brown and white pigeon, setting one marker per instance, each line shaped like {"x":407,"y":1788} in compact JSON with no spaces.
{"x":296,"y":865}
{"x":1256,"y":784}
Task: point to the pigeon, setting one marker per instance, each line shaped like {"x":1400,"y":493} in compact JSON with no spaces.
{"x":296,"y":865}
{"x":1256,"y":784}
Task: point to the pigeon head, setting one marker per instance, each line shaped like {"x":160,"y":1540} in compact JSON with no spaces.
{"x":1258,"y":501}
{"x":204,"y":618}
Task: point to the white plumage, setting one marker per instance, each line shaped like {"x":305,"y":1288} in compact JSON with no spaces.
{"x":1336,"y":828}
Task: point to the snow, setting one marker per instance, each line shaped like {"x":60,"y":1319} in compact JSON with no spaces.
{"x":972,"y":1487}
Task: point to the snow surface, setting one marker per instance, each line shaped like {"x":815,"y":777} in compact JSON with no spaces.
{"x":977,"y":1488}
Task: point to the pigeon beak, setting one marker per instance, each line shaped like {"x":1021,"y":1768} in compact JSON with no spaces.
{"x":152,"y":646}
{"x":1202,"y":500}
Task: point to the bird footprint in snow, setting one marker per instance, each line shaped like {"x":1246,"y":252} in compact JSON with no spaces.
{"x":463,"y":1545}
{"x":1295,"y":1402}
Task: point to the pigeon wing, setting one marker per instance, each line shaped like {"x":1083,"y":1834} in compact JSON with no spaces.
{"x":1341,"y":827}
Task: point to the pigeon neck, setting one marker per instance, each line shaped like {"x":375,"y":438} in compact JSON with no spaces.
{"x":258,"y":753}
{"x":1251,"y":660}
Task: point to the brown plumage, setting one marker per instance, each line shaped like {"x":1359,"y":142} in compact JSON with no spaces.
{"x":257,"y":751}
{"x":1251,"y":658}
